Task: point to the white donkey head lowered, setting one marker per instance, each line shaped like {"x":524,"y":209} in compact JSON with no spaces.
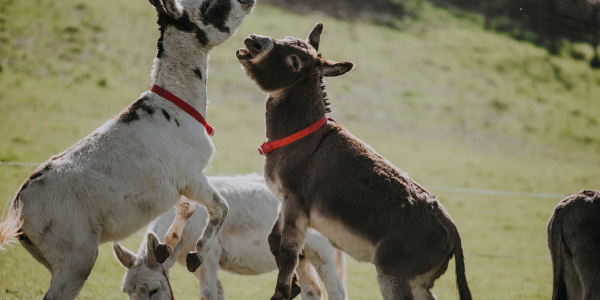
{"x":153,"y":281}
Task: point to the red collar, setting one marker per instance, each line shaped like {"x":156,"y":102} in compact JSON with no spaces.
{"x":183,"y":105}
{"x":268,"y":147}
{"x":167,"y":278}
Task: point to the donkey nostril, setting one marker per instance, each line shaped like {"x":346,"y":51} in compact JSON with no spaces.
{"x":258,"y":47}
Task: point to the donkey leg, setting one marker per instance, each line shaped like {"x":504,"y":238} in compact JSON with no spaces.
{"x":326,"y":261}
{"x":34,"y":251}
{"x":393,"y":287}
{"x":71,"y":259}
{"x":274,"y":240}
{"x":205,"y":194}
{"x":340,"y":266}
{"x":307,"y":278}
{"x":295,"y":224}
{"x":586,"y":263}
{"x":185,"y":209}
{"x":274,"y":237}
{"x":210,"y":287}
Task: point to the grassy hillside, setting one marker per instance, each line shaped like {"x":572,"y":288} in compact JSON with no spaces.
{"x":453,"y":105}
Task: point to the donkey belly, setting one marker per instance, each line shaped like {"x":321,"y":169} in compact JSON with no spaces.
{"x":341,"y":236}
{"x":126,"y":213}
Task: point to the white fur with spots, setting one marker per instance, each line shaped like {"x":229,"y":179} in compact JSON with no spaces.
{"x":131,"y":169}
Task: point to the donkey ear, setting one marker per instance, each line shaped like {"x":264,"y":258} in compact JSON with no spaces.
{"x":123,"y":255}
{"x":151,"y":242}
{"x":329,"y":68}
{"x":170,"y":7}
{"x":314,"y":38}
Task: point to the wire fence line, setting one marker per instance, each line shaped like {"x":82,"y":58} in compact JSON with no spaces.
{"x":433,"y":188}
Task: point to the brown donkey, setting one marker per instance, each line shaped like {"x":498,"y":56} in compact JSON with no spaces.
{"x":574,"y":242}
{"x":329,"y":180}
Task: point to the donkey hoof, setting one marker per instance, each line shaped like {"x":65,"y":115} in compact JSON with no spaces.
{"x":162,"y":252}
{"x":193,"y":261}
{"x":277,"y":296}
{"x":295,"y":287}
{"x":295,"y":291}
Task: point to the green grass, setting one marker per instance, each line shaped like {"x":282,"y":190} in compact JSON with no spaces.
{"x":450,"y":103}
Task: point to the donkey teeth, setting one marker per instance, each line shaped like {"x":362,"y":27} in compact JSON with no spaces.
{"x":243,"y":53}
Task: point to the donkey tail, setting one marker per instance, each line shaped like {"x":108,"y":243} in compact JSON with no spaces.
{"x":11,"y":227}
{"x":555,"y":243}
{"x":461,"y":279}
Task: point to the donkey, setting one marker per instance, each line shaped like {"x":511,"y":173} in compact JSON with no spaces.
{"x":241,"y":247}
{"x":329,"y":180}
{"x":573,"y":238}
{"x":136,"y":165}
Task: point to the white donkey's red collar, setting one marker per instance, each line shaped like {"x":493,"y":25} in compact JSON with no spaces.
{"x":183,"y":105}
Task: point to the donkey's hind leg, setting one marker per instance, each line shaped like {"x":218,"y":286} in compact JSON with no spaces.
{"x":34,"y":251}
{"x":204,"y":193}
{"x":210,"y":287}
{"x":307,"y":278}
{"x":330,"y":267}
{"x":185,"y":209}
{"x":393,"y":287}
{"x":70,"y":254}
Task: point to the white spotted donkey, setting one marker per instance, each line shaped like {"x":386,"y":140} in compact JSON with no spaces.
{"x":138,"y":164}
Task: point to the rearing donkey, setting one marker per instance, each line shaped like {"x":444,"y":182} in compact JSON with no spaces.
{"x":329,"y":180}
{"x":138,"y":164}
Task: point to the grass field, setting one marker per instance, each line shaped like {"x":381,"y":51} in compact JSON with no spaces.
{"x":464,"y":111}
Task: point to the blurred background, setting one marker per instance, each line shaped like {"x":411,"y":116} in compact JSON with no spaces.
{"x":491,"y":105}
{"x":552,"y":24}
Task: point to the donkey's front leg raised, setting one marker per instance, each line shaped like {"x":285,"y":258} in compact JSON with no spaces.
{"x":205,"y":194}
{"x":274,"y":237}
{"x":293,"y":231}
{"x":274,"y":240}
{"x":185,"y":209}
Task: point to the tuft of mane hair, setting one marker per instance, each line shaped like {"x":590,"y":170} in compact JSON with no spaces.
{"x":325,"y":98}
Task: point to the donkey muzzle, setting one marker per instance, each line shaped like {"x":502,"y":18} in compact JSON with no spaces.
{"x":257,"y":44}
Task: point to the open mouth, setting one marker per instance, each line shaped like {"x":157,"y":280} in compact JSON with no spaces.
{"x":246,"y":4}
{"x":243,"y":54}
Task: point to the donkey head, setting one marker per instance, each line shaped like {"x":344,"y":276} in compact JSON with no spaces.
{"x":278,"y":64}
{"x":144,"y":278}
{"x":210,"y":21}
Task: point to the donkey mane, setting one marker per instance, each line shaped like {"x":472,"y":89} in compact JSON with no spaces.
{"x":325,"y":97}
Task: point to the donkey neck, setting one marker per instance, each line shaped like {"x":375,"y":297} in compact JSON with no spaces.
{"x":182,"y":69}
{"x":294,"y":109}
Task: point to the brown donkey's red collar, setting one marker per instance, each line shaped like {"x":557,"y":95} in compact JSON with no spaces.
{"x":268,"y":147}
{"x":183,"y":105}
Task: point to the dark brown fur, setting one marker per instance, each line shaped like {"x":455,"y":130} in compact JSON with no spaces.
{"x":333,"y":174}
{"x":132,"y":113}
{"x":574,"y":242}
{"x":213,"y":12}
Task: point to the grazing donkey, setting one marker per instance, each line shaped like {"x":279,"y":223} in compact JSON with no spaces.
{"x":241,"y":247}
{"x":574,"y":242}
{"x":138,"y":164}
{"x":329,"y":180}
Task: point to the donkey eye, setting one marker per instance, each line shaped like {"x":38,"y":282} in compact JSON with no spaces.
{"x":295,"y":62}
{"x":153,"y":292}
